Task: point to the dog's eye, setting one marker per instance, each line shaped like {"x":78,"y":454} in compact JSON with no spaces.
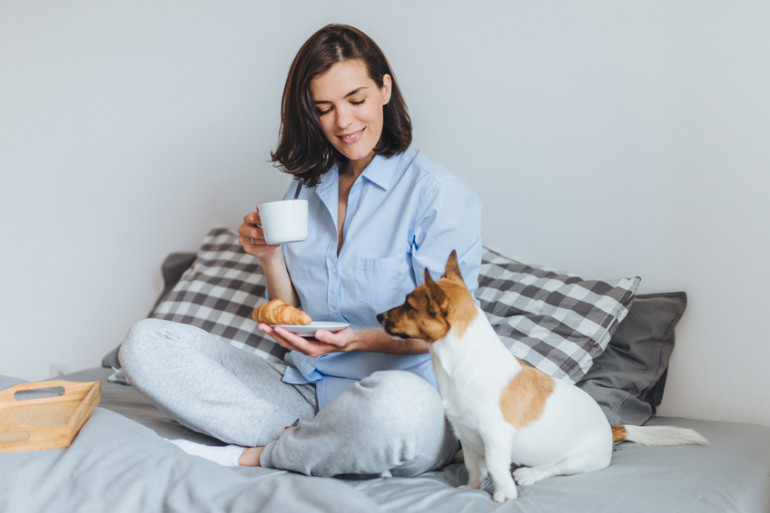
{"x":408,"y":307}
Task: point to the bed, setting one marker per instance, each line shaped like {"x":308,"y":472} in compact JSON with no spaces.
{"x":601,"y":334}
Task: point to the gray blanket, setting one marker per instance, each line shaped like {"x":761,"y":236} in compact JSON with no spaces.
{"x":120,"y":462}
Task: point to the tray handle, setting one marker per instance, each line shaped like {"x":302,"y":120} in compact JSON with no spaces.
{"x":69,"y":387}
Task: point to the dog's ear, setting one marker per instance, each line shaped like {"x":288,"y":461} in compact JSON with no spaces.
{"x":452,"y":271}
{"x":436,"y":296}
{"x":427,"y":276}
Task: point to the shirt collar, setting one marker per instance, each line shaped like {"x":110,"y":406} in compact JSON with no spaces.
{"x":380,"y":171}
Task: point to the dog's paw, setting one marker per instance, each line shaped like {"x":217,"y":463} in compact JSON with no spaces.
{"x":505,"y":489}
{"x":505,"y":494}
{"x":526,"y":476}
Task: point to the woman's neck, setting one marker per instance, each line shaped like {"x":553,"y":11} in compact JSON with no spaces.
{"x":352,"y":169}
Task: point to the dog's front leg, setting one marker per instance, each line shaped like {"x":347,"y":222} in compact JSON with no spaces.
{"x":477,"y":470}
{"x":497,"y":453}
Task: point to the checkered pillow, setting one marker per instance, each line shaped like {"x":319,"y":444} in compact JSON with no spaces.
{"x":218,"y":292}
{"x":555,"y":321}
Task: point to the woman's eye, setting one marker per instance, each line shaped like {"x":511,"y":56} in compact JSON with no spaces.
{"x":358,"y":102}
{"x":322,"y":112}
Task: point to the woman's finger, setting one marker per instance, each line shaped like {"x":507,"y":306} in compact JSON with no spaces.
{"x":294,"y":342}
{"x":338,"y":339}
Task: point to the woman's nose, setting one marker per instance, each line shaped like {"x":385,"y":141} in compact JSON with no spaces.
{"x":344,"y":117}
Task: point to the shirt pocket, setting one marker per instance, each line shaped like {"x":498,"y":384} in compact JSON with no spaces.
{"x":382,"y":282}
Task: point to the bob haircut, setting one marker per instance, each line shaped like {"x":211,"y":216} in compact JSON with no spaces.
{"x":303,"y":149}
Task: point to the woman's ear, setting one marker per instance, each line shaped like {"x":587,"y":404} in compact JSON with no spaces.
{"x":387,"y":85}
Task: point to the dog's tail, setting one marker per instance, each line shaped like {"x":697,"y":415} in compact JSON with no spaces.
{"x":657,"y":435}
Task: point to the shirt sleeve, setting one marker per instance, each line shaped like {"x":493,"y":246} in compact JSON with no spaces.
{"x":449,"y":218}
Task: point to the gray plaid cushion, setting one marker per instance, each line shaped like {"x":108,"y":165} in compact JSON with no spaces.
{"x":555,"y":321}
{"x":218,"y":292}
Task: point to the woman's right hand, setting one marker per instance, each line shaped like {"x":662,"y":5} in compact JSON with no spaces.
{"x":277,"y":277}
{"x":252,"y":239}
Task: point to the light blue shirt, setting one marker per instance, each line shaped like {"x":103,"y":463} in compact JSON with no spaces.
{"x":404,"y":214}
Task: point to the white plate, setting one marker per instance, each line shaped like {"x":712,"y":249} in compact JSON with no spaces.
{"x":308,"y":330}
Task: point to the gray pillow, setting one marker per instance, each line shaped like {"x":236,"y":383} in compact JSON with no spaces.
{"x":628,"y":379}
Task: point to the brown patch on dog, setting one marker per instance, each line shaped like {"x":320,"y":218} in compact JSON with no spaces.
{"x":523,"y":400}
{"x":619,"y":433}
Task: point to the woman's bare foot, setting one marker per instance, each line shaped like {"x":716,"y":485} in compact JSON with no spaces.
{"x":250,"y":456}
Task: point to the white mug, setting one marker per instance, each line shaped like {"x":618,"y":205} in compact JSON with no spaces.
{"x":284,"y":221}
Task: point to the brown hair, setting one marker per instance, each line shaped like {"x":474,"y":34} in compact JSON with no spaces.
{"x":303,"y":150}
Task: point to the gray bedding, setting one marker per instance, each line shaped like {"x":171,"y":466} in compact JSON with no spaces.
{"x":121,"y":463}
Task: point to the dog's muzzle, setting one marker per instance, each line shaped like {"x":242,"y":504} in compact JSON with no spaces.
{"x":388,"y":326}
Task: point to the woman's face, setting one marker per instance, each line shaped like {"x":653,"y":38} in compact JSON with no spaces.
{"x":350,"y":105}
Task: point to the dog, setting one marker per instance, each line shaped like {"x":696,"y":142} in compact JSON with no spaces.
{"x":503,"y":410}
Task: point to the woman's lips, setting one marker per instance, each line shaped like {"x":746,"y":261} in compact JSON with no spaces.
{"x":352,"y":138}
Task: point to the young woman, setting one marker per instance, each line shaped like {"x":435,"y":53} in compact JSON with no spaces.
{"x":380,"y":213}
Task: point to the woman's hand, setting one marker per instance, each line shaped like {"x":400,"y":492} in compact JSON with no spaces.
{"x":366,"y":340}
{"x":252,"y":238}
{"x":324,"y":342}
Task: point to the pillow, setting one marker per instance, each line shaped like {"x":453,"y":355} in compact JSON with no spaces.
{"x":627,"y":380}
{"x":554,"y":321}
{"x":218,"y":292}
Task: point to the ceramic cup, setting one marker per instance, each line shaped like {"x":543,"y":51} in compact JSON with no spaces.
{"x":284,"y":221}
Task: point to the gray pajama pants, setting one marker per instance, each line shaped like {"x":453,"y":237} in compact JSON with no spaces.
{"x":390,"y":421}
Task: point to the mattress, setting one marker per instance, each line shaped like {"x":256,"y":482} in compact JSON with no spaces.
{"x":121,"y":462}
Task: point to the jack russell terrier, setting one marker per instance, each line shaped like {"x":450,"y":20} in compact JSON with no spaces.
{"x":502,"y":410}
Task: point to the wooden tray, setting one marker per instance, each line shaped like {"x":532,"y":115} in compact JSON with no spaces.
{"x":45,"y":422}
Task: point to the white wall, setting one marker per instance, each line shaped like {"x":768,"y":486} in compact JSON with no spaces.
{"x":607,"y":138}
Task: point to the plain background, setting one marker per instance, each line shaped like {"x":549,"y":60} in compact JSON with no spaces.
{"x":605,"y":138}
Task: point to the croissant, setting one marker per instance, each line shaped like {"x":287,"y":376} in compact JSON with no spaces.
{"x":278,"y":312}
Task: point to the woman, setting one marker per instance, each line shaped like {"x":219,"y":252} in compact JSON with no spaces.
{"x":380,"y":213}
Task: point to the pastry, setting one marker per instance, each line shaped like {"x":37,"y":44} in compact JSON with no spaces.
{"x":278,"y":312}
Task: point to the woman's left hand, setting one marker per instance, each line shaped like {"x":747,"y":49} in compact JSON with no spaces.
{"x":324,"y":342}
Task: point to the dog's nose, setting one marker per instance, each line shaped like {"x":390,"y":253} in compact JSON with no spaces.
{"x":380,"y":317}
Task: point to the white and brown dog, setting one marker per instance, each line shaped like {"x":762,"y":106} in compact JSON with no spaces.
{"x":502,"y":410}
